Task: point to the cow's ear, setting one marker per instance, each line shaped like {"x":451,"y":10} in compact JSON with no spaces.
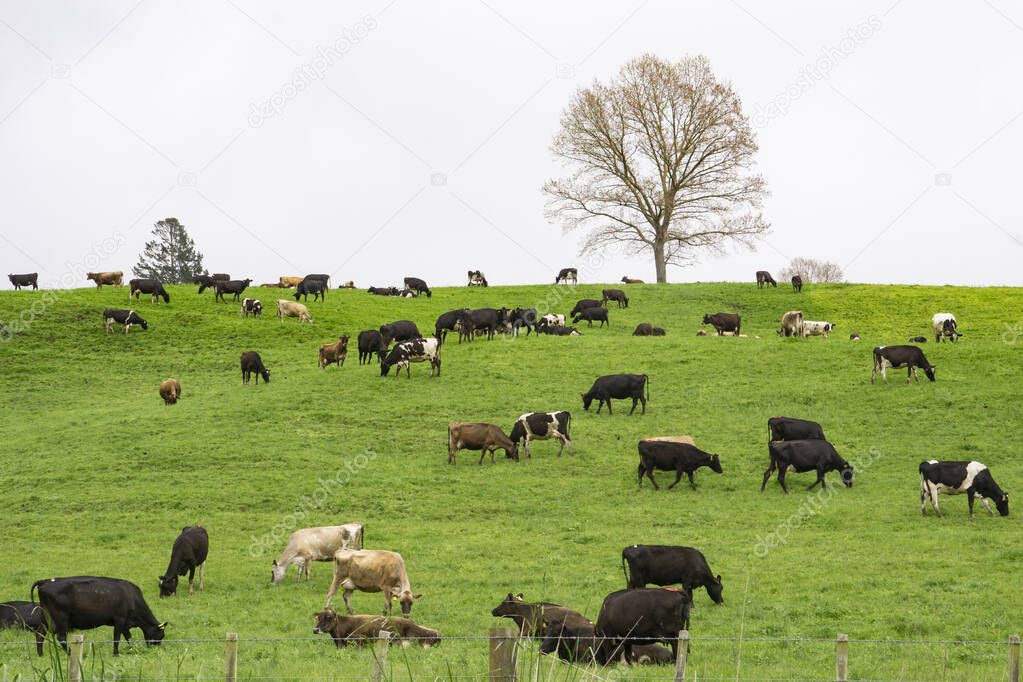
{"x":163,"y":625}
{"x":417,"y":596}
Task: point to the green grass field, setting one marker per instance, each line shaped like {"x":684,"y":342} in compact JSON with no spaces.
{"x":99,"y":476}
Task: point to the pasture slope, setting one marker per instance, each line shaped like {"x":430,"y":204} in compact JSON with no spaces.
{"x":98,"y":475}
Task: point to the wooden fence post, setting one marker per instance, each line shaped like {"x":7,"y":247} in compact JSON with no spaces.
{"x":231,"y":664}
{"x":1013,"y":658}
{"x":683,"y":656}
{"x":379,"y":671}
{"x":74,"y":658}
{"x":842,"y":658}
{"x":503,"y":663}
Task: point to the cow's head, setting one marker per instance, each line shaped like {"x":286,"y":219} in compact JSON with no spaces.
{"x":714,"y":589}
{"x":405,"y":599}
{"x":384,"y":366}
{"x":277,"y":572}
{"x":715,"y":463}
{"x":929,"y":371}
{"x":510,"y":606}
{"x":513,"y":452}
{"x":168,"y":585}
{"x":587,"y":399}
{"x":1002,"y":503}
{"x":154,"y":634}
{"x":847,"y":474}
{"x":326,"y":622}
{"x":266,"y":375}
{"x":706,"y":319}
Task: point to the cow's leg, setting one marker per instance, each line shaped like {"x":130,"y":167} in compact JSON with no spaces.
{"x":986,"y":505}
{"x":40,"y":635}
{"x":678,"y":477}
{"x":483,"y":453}
{"x":820,"y":479}
{"x":348,"y":604}
{"x":191,"y":577}
{"x":932,"y":488}
{"x":923,"y":496}
{"x":452,"y":449}
{"x":387,"y":602}
{"x":643,"y":401}
{"x":969,"y":500}
{"x":202,"y":576}
{"x":692,"y":481}
{"x":767,"y":475}
{"x":600,"y":404}
{"x":634,"y":401}
{"x":525,"y":446}
{"x":781,"y":477}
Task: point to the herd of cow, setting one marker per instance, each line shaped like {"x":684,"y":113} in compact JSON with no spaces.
{"x":631,"y":622}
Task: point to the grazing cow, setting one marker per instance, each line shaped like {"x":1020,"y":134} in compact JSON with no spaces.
{"x":112,"y":316}
{"x":251,"y":362}
{"x":401,"y":330}
{"x":909,"y":357}
{"x":334,"y":353}
{"x":682,"y":458}
{"x":251,"y":306}
{"x":288,"y":282}
{"x":315,"y":544}
{"x":362,"y":630}
{"x":522,"y":317}
{"x":953,"y":478}
{"x":25,"y":615}
{"x":797,"y":284}
{"x":370,"y":342}
{"x":209,"y":281}
{"x":618,"y":386}
{"x":448,"y":322}
{"x":591,"y":314}
{"x":480,"y":321}
{"x":407,"y":352}
{"x":646,"y":329}
{"x":817,"y":328}
{"x":188,"y":553}
{"x":476,"y":279}
{"x":559,"y":331}
{"x":616,"y":295}
{"x":629,"y":280}
{"x":286,"y":308}
{"x":567,"y":275}
{"x":724,"y":322}
{"x":764,"y":278}
{"x":28,"y":280}
{"x":372,"y":570}
{"x":806,"y":455}
{"x":665,"y":565}
{"x":790,"y":428}
{"x":234,"y":286}
{"x":542,"y":426}
{"x":945,"y":327}
{"x":479,"y":436}
{"x":170,"y":391}
{"x":792,"y":324}
{"x":114,"y":278}
{"x":582,"y":304}
{"x":418,"y":286}
{"x":641,"y":616}
{"x":316,"y":287}
{"x":153,"y":287}
{"x":86,"y":602}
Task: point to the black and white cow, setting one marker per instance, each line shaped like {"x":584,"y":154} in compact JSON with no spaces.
{"x":682,"y":458}
{"x":618,"y":386}
{"x":548,"y":320}
{"x":542,"y":426}
{"x":476,"y":279}
{"x":112,"y":316}
{"x":407,"y":352}
{"x":806,"y":455}
{"x":251,"y":306}
{"x":153,"y":287}
{"x":567,"y":275}
{"x":953,"y":478}
{"x":909,"y":357}
{"x":666,"y":565}
{"x":789,"y":428}
{"x":945,"y":327}
{"x":520,"y":318}
{"x":28,"y":280}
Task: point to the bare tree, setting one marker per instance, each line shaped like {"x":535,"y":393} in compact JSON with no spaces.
{"x":660,"y":160}
{"x":813,"y":270}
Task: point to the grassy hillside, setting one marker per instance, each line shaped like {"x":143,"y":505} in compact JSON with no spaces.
{"x":99,"y":475}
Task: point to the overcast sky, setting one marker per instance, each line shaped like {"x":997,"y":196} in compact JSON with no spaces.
{"x":374,"y":140}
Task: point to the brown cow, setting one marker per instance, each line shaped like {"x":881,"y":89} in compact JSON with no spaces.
{"x":170,"y":391}
{"x":288,"y":282}
{"x":101,"y":278}
{"x":334,"y":353}
{"x":629,"y":280}
{"x":532,"y":618}
{"x":360,"y":630}
{"x":372,"y":570}
{"x":478,"y":436}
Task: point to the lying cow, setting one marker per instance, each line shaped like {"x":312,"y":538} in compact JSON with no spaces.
{"x":817,"y":328}
{"x":724,"y":322}
{"x":27,"y":616}
{"x":682,"y":458}
{"x":115,"y":278}
{"x":333,"y":353}
{"x":789,"y":428}
{"x":187,"y":554}
{"x":315,"y":544}
{"x":953,"y":478}
{"x":909,"y":357}
{"x":286,"y":282}
{"x":665,"y":565}
{"x":479,"y":436}
{"x":629,"y":280}
{"x":28,"y":280}
{"x":170,"y":391}
{"x":361,"y":630}
{"x":251,"y":306}
{"x":286,"y":308}
{"x":646,"y":329}
{"x":127,"y":318}
{"x":407,"y":352}
{"x":618,"y":386}
{"x":559,"y":331}
{"x":372,"y":570}
{"x":542,"y":426}
{"x":806,"y":455}
{"x":945,"y":327}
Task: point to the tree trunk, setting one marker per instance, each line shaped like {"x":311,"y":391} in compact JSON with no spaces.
{"x":659,"y":262}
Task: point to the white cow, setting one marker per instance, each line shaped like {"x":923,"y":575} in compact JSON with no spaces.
{"x":944,"y":325}
{"x":817,"y":328}
{"x":286,"y":308}
{"x":315,"y":544}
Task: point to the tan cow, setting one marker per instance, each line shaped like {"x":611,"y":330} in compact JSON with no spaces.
{"x":288,"y":282}
{"x":372,"y":570}
{"x":170,"y":391}
{"x":347,"y":285}
{"x":333,"y":353}
{"x":101,"y":278}
{"x":286,"y":308}
{"x":366,"y":629}
{"x":479,"y":436}
{"x":315,"y":544}
{"x":687,"y":440}
{"x":791,"y":324}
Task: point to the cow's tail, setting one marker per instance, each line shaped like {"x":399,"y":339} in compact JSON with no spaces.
{"x":625,"y":570}
{"x":32,"y":592}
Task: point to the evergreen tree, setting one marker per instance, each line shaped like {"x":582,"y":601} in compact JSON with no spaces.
{"x":170,"y":256}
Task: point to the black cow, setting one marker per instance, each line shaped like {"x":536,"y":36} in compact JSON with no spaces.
{"x":640,"y":616}
{"x":112,"y":316}
{"x":316,"y":287}
{"x":909,"y":357}
{"x":591,"y":314}
{"x":370,"y":342}
{"x":251,"y":362}
{"x":616,"y":295}
{"x":154,"y":287}
{"x":953,"y":478}
{"x":321,"y":277}
{"x":584,"y":303}
{"x":188,"y":553}
{"x":764,"y":278}
{"x":234,"y":286}
{"x":572,"y":636}
{"x":384,"y":291}
{"x":681,"y":458}
{"x":523,"y":317}
{"x":418,"y":286}
{"x":797,"y":284}
{"x":27,"y":280}
{"x":789,"y":428}
{"x":665,"y":565}
{"x":25,"y":615}
{"x":806,"y":455}
{"x":448,"y":322}
{"x":401,"y":330}
{"x":724,"y":322}
{"x":481,"y":320}
{"x":414,"y":350}
{"x":567,"y":275}
{"x":87,"y":602}
{"x":530,"y":617}
{"x":557,"y":330}
{"x":618,"y":386}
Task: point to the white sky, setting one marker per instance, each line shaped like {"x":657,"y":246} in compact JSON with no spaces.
{"x":116,"y":114}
